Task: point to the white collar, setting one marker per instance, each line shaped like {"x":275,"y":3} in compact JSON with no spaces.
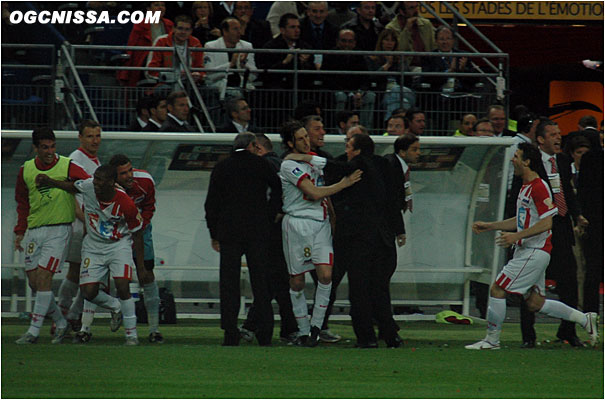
{"x":546,"y":157}
{"x":151,"y":120}
{"x":404,"y":165}
{"x":178,"y":121}
{"x":141,"y":122}
{"x":240,"y":128}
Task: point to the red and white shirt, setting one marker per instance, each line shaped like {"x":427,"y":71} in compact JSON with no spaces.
{"x":112,"y":221}
{"x":533,"y":204}
{"x":142,"y":193}
{"x":296,"y":203}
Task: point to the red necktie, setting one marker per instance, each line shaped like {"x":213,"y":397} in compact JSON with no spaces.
{"x":559,"y":197}
{"x":409,"y":202}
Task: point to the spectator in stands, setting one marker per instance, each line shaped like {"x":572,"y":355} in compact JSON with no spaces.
{"x":395,"y":125}
{"x":340,"y":13}
{"x":144,"y":34}
{"x":205,"y":28}
{"x":307,"y":107}
{"x":365,"y":26}
{"x":223,"y":10}
{"x":177,"y":8}
{"x":497,"y":116}
{"x":182,"y":41}
{"x":415,"y":121}
{"x":417,"y":33}
{"x":576,"y":148}
{"x":158,"y":111}
{"x":466,"y":125}
{"x":587,"y":127}
{"x":239,"y":116}
{"x":231,"y":30}
{"x":349,"y":86}
{"x":279,"y":9}
{"x":447,"y":63}
{"x":315,"y":128}
{"x":483,"y":127}
{"x":178,"y":113}
{"x":142,"y":117}
{"x":289,"y":38}
{"x":253,"y":30}
{"x":315,"y":30}
{"x":391,"y":85}
{"x":345,"y":119}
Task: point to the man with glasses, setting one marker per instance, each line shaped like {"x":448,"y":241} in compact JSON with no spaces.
{"x":182,"y":41}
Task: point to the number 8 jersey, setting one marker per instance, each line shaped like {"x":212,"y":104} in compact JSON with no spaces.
{"x":108,"y":222}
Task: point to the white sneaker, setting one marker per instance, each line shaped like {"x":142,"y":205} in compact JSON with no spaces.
{"x":483,"y":345}
{"x":60,"y":334}
{"x":27,"y":338}
{"x":592,"y":327}
{"x":116,"y":320}
{"x":131,"y":341}
{"x":327,"y":336}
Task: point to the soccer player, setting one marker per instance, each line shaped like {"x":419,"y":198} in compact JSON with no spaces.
{"x":524,"y":274}
{"x":44,"y":225}
{"x":86,"y":157}
{"x":307,"y":235}
{"x":140,"y":187}
{"x":113,"y":223}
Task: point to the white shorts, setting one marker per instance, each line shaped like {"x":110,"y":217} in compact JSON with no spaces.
{"x":525,"y":271}
{"x":74,"y":254}
{"x":99,"y":261}
{"x":306,"y":243}
{"x":46,"y":246}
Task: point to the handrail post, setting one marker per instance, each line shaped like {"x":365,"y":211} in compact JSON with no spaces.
{"x":72,"y":66}
{"x":295,"y":83}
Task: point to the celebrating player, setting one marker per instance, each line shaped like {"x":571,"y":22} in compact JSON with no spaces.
{"x":307,"y":236}
{"x":525,"y":273}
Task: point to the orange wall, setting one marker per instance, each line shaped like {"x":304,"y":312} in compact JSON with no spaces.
{"x":566,"y":91}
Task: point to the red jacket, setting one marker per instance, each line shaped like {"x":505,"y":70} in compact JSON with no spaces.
{"x":164,"y":58}
{"x":140,"y":36}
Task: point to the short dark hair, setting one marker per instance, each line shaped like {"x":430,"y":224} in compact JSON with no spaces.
{"x":225,"y":23}
{"x":156,"y":100}
{"x":144,"y":103}
{"x":404,"y":142}
{"x":39,"y":134}
{"x":344,"y":116}
{"x":525,"y":123}
{"x":283,"y":20}
{"x":541,"y":129}
{"x":242,"y":140}
{"x":232,"y":106}
{"x":409,"y":115}
{"x":307,"y":119}
{"x":364,"y":143}
{"x":171,"y":99}
{"x":305,"y":108}
{"x":107,"y":170}
{"x":531,"y":153}
{"x":119,"y":159}
{"x":442,"y":28}
{"x":87,"y":123}
{"x":576,"y":143}
{"x":287,"y":131}
{"x":183,"y":18}
{"x":264,"y":141}
{"x":588,"y":120}
{"x":481,"y":121}
{"x":402,"y":117}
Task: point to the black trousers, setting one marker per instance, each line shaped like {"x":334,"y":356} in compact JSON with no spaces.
{"x":593,"y":251}
{"x":229,"y":282}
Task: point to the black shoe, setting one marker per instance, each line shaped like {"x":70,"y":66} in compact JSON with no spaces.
{"x":231,"y":339}
{"x":394,"y":343}
{"x":573,"y":341}
{"x":301,"y":340}
{"x":156,"y":337}
{"x":313,"y":340}
{"x":368,"y":345}
{"x":530,"y":344}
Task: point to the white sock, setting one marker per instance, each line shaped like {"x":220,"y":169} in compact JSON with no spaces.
{"x":107,"y":301}
{"x":76,"y":307}
{"x":88,"y":315}
{"x":41,"y":306}
{"x":299,"y":307}
{"x":55,"y":313}
{"x":556,"y":309}
{"x":496,"y":312}
{"x":67,"y":291}
{"x":152,"y":304}
{"x":322,"y":298}
{"x":130,"y":317}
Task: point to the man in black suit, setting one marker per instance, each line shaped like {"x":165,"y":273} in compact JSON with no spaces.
{"x":588,"y":128}
{"x":562,"y":267}
{"x":239,"y":215}
{"x":238,"y":115}
{"x":497,"y":116}
{"x":158,"y":110}
{"x":315,"y":30}
{"x":142,"y":115}
{"x":178,"y":113}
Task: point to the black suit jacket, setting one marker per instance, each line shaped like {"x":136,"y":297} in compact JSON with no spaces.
{"x":274,"y":61}
{"x":150,"y":127}
{"x":592,"y":134}
{"x":134,"y":126}
{"x":343,"y":81}
{"x":326,"y":41}
{"x":562,"y":229}
{"x":228,"y":127}
{"x":236,"y":204}
{"x":590,"y":186}
{"x":170,"y":125}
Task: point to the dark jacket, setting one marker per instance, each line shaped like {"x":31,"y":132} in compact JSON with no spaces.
{"x":228,"y":127}
{"x":236,"y":204}
{"x":442,"y":64}
{"x":591,"y":134}
{"x":326,"y":41}
{"x":344,"y":82}
{"x":274,"y":61}
{"x":170,"y":125}
{"x":366,"y":38}
{"x":258,"y":32}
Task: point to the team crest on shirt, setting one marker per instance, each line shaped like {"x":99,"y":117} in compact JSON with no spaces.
{"x":548,"y":203}
{"x":297,"y":172}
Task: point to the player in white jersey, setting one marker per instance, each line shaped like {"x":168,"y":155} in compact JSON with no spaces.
{"x":306,"y":231}
{"x":524,"y":274}
{"x":113,"y":223}
{"x":86,"y":157}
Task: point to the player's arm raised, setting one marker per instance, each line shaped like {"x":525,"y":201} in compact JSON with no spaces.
{"x":505,"y":225}
{"x":319,"y":192}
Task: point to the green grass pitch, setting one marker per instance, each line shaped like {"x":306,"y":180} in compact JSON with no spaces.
{"x":192,"y":364}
